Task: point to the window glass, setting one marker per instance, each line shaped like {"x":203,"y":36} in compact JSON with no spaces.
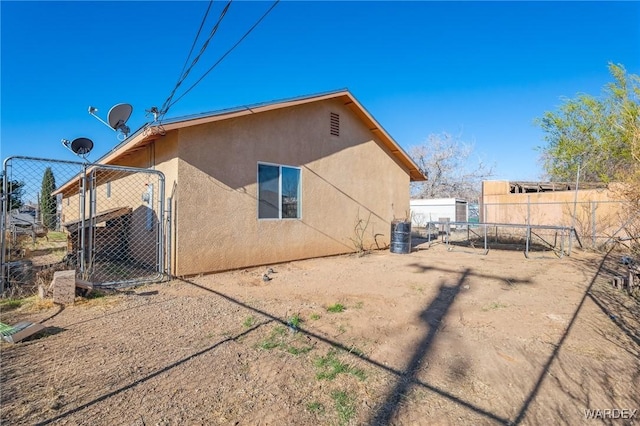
{"x":290,"y":192}
{"x":268,"y":178}
{"x":278,"y":192}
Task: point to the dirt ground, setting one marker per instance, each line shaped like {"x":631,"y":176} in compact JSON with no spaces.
{"x":434,"y":337}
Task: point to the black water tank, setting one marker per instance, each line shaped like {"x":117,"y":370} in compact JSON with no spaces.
{"x":400,"y":237}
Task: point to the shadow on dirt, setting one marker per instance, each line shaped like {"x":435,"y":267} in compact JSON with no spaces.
{"x":432,"y":315}
{"x":554,"y":355}
{"x":618,"y":313}
{"x":152,"y":375}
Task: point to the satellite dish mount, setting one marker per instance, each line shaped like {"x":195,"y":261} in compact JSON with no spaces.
{"x":116,"y":119}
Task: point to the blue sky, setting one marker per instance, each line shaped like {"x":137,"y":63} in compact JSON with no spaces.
{"x":480,"y":70}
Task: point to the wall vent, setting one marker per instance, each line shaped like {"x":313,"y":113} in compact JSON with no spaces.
{"x":335,"y":124}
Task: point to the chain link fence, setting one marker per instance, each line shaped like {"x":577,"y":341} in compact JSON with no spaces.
{"x":106,"y":222}
{"x":482,"y":237}
{"x":536,"y":226}
{"x":597,"y":224}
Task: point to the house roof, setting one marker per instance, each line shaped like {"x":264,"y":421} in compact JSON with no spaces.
{"x":152,"y":131}
{"x":21,"y":218}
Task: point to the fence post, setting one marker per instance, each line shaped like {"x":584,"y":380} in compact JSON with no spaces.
{"x":168,"y":228}
{"x":81,"y":234}
{"x":575,"y":206}
{"x":593,"y":223}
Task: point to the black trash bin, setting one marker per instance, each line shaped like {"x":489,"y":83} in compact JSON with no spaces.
{"x":400,"y":237}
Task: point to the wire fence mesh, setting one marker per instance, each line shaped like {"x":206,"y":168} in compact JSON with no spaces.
{"x":554,"y":225}
{"x":597,"y":223}
{"x":105,"y":222}
{"x":482,"y":237}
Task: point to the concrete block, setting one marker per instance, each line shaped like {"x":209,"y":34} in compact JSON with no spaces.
{"x":64,"y":287}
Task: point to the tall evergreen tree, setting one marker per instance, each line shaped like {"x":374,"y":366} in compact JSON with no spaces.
{"x":47,"y":200}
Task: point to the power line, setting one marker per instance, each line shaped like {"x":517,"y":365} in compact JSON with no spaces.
{"x":167,"y":103}
{"x":222,"y":57}
{"x":204,"y":18}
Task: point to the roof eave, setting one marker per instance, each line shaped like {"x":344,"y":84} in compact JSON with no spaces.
{"x":154,"y":130}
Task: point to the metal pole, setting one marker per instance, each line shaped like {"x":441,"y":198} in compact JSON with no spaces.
{"x":168,"y":235}
{"x":160,"y":236}
{"x":593,"y":224}
{"x":92,"y":221}
{"x":81,"y":234}
{"x":3,"y":221}
{"x":575,"y":206}
{"x":485,"y":238}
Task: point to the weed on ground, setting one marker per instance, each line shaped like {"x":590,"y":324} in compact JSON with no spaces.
{"x":336,"y":308}
{"x":330,"y":366}
{"x":345,"y":406}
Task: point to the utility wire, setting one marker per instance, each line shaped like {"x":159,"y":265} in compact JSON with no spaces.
{"x":222,"y":57}
{"x":167,"y":103}
{"x":154,"y":110}
{"x":195,"y":40}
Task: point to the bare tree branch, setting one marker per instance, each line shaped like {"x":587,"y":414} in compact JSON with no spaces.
{"x":446,"y":162}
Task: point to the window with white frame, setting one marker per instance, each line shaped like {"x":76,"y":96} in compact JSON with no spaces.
{"x":278,"y":192}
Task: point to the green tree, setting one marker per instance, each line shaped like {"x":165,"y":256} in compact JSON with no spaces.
{"x":15,"y":190}
{"x":595,"y":134}
{"x":48,"y":207}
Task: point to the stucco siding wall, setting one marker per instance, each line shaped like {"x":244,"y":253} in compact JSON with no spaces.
{"x":546,"y":208}
{"x":599,"y":213}
{"x":343,"y":179}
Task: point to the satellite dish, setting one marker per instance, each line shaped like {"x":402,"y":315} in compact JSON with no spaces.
{"x":118,"y":116}
{"x":79,"y":146}
{"x":82,"y":146}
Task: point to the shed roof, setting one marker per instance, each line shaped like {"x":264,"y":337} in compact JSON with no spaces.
{"x":152,"y":131}
{"x":516,"y":187}
{"x":104,"y":216}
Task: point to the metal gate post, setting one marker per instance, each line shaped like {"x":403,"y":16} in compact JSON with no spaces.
{"x":3,"y":274}
{"x":161,"y":234}
{"x":168,"y":238}
{"x":485,"y":239}
{"x":92,"y":223}
{"x":81,"y":234}
{"x":593,"y":224}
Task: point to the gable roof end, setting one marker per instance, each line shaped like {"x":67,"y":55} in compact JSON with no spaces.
{"x":151,"y":131}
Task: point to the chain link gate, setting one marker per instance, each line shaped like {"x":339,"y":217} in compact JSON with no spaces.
{"x":106,"y":222}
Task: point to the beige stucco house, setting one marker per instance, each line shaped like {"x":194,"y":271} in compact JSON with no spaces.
{"x":273,"y":182}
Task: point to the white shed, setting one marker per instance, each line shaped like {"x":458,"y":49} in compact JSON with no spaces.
{"x":438,"y":209}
